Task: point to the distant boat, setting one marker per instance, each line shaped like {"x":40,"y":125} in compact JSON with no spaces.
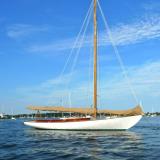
{"x":1,"y":115}
{"x":153,"y":114}
{"x":123,"y":120}
{"x":1,"y":112}
{"x":13,"y":118}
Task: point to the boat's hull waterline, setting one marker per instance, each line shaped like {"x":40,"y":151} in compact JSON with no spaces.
{"x":118,"y":123}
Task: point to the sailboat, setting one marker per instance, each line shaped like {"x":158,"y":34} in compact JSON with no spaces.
{"x":153,"y":114}
{"x":123,"y":119}
{"x":1,"y":116}
{"x":12,"y":116}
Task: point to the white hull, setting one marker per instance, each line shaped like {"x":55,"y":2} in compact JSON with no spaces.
{"x":119,"y":123}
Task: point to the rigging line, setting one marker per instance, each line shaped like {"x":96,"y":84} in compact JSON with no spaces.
{"x":70,"y":102}
{"x":99,"y":84}
{"x":80,"y":45}
{"x":77,"y":38}
{"x":81,"y":42}
{"x":75,"y":43}
{"x":99,"y":77}
{"x":89,"y":75}
{"x":118,"y":55}
{"x":89,"y":87}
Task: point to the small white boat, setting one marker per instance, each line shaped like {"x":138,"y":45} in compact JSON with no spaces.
{"x":1,"y":115}
{"x":153,"y":115}
{"x":13,"y":118}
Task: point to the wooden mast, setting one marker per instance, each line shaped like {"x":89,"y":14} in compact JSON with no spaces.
{"x":95,"y":61}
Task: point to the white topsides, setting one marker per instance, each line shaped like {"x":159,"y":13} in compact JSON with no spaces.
{"x":118,"y":123}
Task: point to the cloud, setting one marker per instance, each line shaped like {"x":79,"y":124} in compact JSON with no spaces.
{"x":136,"y":32}
{"x":145,"y":75}
{"x":61,"y":80}
{"x":114,"y":90}
{"x":22,"y":30}
{"x":55,"y":46}
{"x":145,"y":81}
{"x":122,"y":34}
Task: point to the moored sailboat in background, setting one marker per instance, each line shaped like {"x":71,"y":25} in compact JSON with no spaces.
{"x":12,"y":116}
{"x":1,"y":115}
{"x":152,"y":113}
{"x":122,"y":119}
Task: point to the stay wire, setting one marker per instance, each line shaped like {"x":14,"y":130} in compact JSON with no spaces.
{"x":118,"y":55}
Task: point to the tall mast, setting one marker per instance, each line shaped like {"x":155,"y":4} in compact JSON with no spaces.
{"x":95,"y":61}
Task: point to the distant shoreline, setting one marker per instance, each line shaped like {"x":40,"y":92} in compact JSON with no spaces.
{"x":55,"y":115}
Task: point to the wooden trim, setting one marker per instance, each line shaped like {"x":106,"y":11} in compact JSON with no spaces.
{"x":63,"y":120}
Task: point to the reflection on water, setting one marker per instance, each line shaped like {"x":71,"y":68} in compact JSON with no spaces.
{"x":20,"y":142}
{"x":129,"y":135}
{"x":92,"y":144}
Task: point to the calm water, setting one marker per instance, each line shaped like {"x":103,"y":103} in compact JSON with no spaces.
{"x":22,"y":143}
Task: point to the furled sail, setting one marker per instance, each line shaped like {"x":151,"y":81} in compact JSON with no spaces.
{"x":130,"y":112}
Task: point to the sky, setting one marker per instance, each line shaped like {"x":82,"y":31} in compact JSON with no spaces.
{"x":38,"y":37}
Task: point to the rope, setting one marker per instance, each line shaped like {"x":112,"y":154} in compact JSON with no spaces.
{"x":75,"y":43}
{"x":118,"y":55}
{"x":80,"y":45}
{"x":99,"y":84}
{"x":70,"y":103}
{"x":89,"y":75}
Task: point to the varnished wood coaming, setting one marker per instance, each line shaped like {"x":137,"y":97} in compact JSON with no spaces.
{"x":63,"y":120}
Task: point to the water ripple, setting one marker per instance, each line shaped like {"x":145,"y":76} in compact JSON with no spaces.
{"x":22,"y":143}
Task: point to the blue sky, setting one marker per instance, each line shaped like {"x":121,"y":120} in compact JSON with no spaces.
{"x":36,"y":38}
